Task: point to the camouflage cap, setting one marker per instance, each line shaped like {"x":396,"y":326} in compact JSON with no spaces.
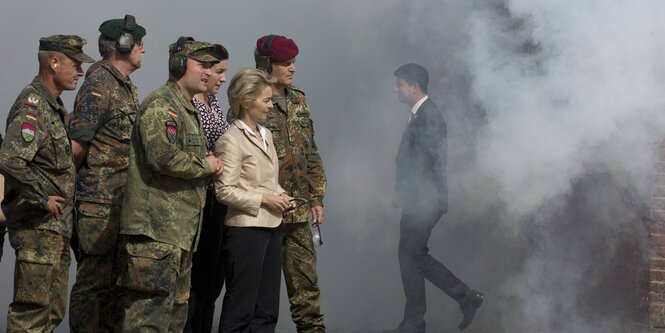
{"x":70,"y":45}
{"x":197,"y":50}
{"x":116,"y":27}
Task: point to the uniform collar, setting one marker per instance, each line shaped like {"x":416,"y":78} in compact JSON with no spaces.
{"x":55,"y":102}
{"x":116,"y":73}
{"x":180,"y":97}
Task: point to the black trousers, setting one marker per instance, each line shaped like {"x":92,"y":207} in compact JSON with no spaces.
{"x":416,"y":265}
{"x":207,"y":268}
{"x":253,"y":264}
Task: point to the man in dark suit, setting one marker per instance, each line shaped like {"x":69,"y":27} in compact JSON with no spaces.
{"x":421,"y":192}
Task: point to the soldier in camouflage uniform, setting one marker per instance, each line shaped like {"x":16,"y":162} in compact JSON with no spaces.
{"x":165,"y":194}
{"x":39,"y":170}
{"x":3,"y":220}
{"x":300,"y":174}
{"x":100,"y":129}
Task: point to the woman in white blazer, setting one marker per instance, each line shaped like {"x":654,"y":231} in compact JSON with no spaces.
{"x":256,"y":204}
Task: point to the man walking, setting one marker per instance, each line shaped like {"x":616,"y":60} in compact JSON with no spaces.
{"x":421,"y":191}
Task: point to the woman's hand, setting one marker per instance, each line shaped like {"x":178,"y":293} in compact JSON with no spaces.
{"x":277,"y":203}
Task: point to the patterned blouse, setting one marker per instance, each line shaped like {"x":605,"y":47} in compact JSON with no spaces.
{"x":214,"y":123}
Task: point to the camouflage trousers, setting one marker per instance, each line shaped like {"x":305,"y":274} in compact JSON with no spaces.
{"x":40,"y":280}
{"x":299,"y":266}
{"x":154,"y":285}
{"x":92,"y":299}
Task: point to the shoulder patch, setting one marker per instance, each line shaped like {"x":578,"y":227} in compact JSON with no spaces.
{"x":28,"y":131}
{"x":31,"y":116}
{"x":96,"y":93}
{"x":173,"y":114}
{"x":171,"y":130}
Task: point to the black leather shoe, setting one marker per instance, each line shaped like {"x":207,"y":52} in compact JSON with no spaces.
{"x":405,"y":327}
{"x":468,"y":306}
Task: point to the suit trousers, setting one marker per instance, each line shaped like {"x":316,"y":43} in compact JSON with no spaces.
{"x":207,"y":268}
{"x":252,"y":258}
{"x":416,"y":265}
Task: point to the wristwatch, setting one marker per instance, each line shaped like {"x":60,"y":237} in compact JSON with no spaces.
{"x":44,"y":201}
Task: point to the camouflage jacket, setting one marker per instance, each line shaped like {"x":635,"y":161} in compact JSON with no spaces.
{"x":103,"y":117}
{"x":300,"y":167}
{"x":165,"y":190}
{"x":36,"y":160}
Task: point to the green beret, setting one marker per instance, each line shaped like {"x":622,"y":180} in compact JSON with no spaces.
{"x":201,"y":51}
{"x":70,"y":45}
{"x":116,"y":27}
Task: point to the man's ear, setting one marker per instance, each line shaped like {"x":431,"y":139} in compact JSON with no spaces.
{"x":54,"y":62}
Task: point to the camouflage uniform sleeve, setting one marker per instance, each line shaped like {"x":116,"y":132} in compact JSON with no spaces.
{"x":315,"y":174}
{"x":162,"y":155}
{"x":226,"y":188}
{"x":92,"y":102}
{"x":24,"y":137}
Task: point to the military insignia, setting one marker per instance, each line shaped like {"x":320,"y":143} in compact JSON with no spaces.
{"x":96,"y":93}
{"x":68,"y":150}
{"x":173,"y":114}
{"x":171,"y":130}
{"x":31,"y":116}
{"x":28,"y":132}
{"x":32,"y":101}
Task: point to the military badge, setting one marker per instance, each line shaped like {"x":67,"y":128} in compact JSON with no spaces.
{"x":28,"y":132}
{"x":31,"y":116}
{"x":173,"y":114}
{"x":171,"y":130}
{"x":32,"y":101}
{"x":96,"y":93}
{"x":68,"y":150}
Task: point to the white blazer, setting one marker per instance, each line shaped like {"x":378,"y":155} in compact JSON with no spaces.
{"x":249,"y":171}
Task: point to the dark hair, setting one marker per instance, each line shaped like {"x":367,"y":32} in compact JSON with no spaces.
{"x":220,"y":52}
{"x":413,"y":73}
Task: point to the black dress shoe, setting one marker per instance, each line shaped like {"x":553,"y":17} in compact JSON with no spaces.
{"x":405,"y":327}
{"x":469,"y":305}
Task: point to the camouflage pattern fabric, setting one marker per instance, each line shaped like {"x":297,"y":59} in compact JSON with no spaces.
{"x":301,"y":171}
{"x":166,"y":180}
{"x":154,"y":285}
{"x":161,"y":212}
{"x":40,"y":280}
{"x":104,"y":112}
{"x":36,"y":160}
{"x":299,"y":265}
{"x":103,"y":117}
{"x":93,"y":296}
{"x":301,"y":175}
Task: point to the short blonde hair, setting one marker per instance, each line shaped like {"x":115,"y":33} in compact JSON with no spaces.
{"x":245,"y":87}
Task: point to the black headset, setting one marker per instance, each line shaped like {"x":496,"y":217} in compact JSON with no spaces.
{"x":178,"y":61}
{"x":264,"y":62}
{"x":126,"y":41}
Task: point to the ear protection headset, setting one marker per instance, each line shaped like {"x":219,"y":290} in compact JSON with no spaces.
{"x":264,"y":62}
{"x":126,"y":41}
{"x":178,"y":61}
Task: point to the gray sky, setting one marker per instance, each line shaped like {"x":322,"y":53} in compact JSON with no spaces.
{"x":553,"y":108}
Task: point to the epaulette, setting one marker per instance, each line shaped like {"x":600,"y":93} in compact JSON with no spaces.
{"x":33,"y":101}
{"x":294,"y":88}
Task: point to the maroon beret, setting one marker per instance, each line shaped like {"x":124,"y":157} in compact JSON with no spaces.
{"x":280,"y":49}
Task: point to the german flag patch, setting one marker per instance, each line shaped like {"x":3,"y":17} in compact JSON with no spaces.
{"x":96,"y":93}
{"x":173,"y":114}
{"x":31,"y":116}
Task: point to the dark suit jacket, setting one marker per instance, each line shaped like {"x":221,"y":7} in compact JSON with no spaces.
{"x":421,"y":185}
